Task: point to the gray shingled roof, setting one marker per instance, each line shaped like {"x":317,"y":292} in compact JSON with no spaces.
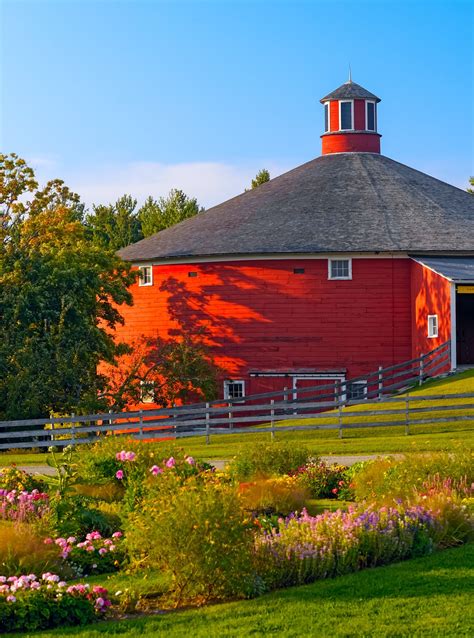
{"x":350,"y":91}
{"x":347,"y":202}
{"x":458,"y":269}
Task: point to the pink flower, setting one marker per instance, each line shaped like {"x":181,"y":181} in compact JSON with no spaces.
{"x":11,"y":599}
{"x":170,"y":462}
{"x":119,"y":475}
{"x":117,"y":535}
{"x":130,"y":456}
{"x":48,"y":541}
{"x":190,"y":460}
{"x":102,"y":551}
{"x":335,"y":490}
{"x":156,"y":470}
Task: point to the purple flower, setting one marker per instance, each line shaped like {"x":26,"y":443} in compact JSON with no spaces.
{"x":170,"y":462}
{"x":156,"y":470}
{"x":190,"y":460}
{"x":119,"y":475}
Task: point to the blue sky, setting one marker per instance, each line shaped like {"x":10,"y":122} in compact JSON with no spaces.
{"x":141,"y":96}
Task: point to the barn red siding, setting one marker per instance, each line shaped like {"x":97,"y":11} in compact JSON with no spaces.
{"x":359,"y":115}
{"x":334,"y":116}
{"x":259,"y":315}
{"x":351,"y":143}
{"x":431,"y":295}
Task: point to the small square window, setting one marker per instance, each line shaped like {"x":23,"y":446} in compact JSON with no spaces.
{"x":192,"y":273}
{"x":147,"y":392}
{"x":234,"y":389}
{"x":432,"y":326}
{"x":340,"y":269}
{"x":146,"y":276}
{"x":356,"y":391}
{"x":298,"y":271}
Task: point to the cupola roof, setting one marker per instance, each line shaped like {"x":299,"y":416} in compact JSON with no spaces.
{"x":350,"y":91}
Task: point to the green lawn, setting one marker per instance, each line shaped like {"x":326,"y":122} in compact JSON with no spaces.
{"x":386,"y":439}
{"x":429,"y":596}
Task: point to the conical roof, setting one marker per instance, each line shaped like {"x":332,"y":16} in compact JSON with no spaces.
{"x":350,"y":91}
{"x":347,"y":202}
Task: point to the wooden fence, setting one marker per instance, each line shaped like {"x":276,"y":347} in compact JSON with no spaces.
{"x":331,"y":410}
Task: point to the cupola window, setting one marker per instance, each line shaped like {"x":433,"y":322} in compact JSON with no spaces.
{"x":326,"y":117}
{"x":346,"y":116}
{"x":370,"y":119}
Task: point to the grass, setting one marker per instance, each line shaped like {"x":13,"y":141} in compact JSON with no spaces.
{"x":381,"y":440}
{"x":428,"y":596}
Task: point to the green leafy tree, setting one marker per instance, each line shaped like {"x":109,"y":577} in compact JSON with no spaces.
{"x":261,"y":177}
{"x":59,"y":299}
{"x":156,"y":215}
{"x":116,"y":225}
{"x":471,"y":183}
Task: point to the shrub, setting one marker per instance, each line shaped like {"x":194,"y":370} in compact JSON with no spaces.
{"x":280,"y":495}
{"x":11,"y":478}
{"x":199,"y":534}
{"x":307,"y":548}
{"x":79,"y":515}
{"x":385,"y":480}
{"x":94,"y":555}
{"x":322,"y":480}
{"x":267,"y":459}
{"x":28,"y":603}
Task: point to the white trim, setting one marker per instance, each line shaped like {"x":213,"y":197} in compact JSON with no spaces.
{"x":454,"y":337}
{"x":374,"y":130}
{"x":328,"y":105}
{"x":149,"y":267}
{"x":267,"y":257}
{"x":433,"y":327}
{"x":352,"y":115}
{"x":330,"y":260}
{"x":227,"y":382}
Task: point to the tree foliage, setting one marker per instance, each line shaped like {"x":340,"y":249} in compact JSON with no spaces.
{"x":261,"y":177}
{"x":471,"y":183}
{"x":115,"y":225}
{"x":156,"y":215}
{"x":59,"y":298}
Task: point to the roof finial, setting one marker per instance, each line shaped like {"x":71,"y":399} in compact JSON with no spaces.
{"x":350,"y":75}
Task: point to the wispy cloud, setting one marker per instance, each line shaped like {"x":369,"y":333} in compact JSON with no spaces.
{"x":210,"y":182}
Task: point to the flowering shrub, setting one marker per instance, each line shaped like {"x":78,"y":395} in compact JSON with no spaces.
{"x":322,"y":480}
{"x":28,"y":603}
{"x":23,"y":506}
{"x":94,"y":555}
{"x":280,"y":495}
{"x":267,"y":459}
{"x":387,"y":479}
{"x":199,"y":533}
{"x":307,"y":548}
{"x":11,"y":478}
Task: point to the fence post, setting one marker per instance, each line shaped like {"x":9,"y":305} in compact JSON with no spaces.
{"x":208,"y":434}
{"x":272,"y":420}
{"x":340,"y":419}
{"x":380,"y":382}
{"x":420,"y":372}
{"x":73,"y":435}
{"x":141,"y":424}
{"x":231,"y":425}
{"x":407,"y":414}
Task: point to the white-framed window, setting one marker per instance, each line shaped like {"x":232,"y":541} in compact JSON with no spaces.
{"x":346,"y":115}
{"x":147,"y":392}
{"x":370,"y":116}
{"x":432,"y":326}
{"x":326,"y":117}
{"x":234,"y":389}
{"x":339,"y":268}
{"x":146,"y":276}
{"x":356,"y":390}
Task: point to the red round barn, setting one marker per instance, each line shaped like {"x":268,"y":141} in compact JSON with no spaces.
{"x":349,"y":262}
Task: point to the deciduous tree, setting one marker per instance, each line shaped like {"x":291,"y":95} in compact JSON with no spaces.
{"x":156,"y":215}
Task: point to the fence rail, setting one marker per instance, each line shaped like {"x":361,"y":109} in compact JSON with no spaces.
{"x":327,"y":411}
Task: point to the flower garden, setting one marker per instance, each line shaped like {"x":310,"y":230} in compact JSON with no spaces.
{"x":276,"y":517}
